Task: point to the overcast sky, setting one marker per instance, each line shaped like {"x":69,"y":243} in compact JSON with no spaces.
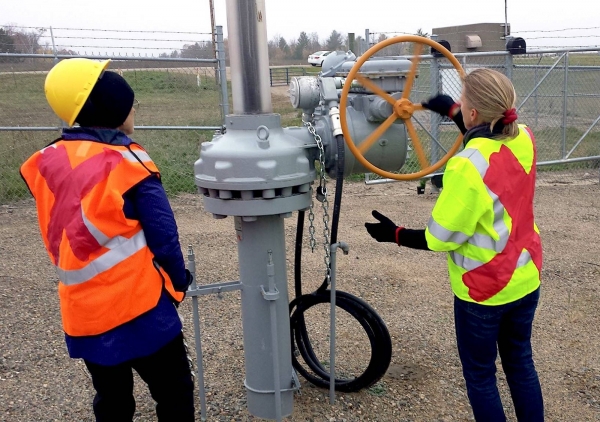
{"x":288,"y":18}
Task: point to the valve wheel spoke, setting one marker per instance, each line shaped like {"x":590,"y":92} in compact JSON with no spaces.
{"x":413,"y":71}
{"x":376,"y":134}
{"x":366,"y":82}
{"x":417,"y":147}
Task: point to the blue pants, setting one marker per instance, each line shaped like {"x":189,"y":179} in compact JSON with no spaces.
{"x":481,"y":332}
{"x":169,"y":378}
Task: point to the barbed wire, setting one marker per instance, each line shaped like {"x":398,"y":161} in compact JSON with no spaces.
{"x":106,"y":30}
{"x":559,"y":30}
{"x":66,"y":46}
{"x":127,"y":39}
{"x":531,"y":49}
{"x":565,"y":37}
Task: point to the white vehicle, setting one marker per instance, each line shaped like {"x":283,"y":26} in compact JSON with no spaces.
{"x":316,"y":59}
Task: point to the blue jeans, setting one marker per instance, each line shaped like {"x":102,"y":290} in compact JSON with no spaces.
{"x":481,"y":332}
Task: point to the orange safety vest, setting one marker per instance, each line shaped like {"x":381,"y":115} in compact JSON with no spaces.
{"x":107,"y":274}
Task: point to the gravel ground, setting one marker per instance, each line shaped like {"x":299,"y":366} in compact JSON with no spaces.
{"x":409,"y":289}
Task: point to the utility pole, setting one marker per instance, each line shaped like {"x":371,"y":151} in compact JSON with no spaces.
{"x":505,"y":19}
{"x":212,"y":27}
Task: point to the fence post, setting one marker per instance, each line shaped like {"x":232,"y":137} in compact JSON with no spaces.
{"x":535,"y":95}
{"x":222,"y":68}
{"x":563,"y":149}
{"x":508,"y":63}
{"x":62,"y":123}
{"x":287,"y":75}
{"x":435,"y":119}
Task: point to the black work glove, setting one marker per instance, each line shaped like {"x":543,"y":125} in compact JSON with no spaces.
{"x":385,"y":230}
{"x":442,"y":104}
{"x":189,"y":278}
{"x":445,"y":105}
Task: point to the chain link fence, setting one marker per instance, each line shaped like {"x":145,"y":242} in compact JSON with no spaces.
{"x":179,"y":109}
{"x":182,"y":105}
{"x":175,"y":76}
{"x":558,"y":96}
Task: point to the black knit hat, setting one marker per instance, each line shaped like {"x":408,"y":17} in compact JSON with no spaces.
{"x":109,"y":102}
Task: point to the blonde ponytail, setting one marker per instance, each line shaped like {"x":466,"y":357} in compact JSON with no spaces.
{"x":493,"y":96}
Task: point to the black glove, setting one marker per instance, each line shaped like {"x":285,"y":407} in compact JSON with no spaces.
{"x":189,"y":278}
{"x":442,"y":104}
{"x":385,"y":230}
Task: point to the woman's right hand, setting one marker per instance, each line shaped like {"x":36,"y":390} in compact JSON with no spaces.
{"x":442,"y":104}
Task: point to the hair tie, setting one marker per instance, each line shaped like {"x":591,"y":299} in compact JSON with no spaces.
{"x":509,"y":116}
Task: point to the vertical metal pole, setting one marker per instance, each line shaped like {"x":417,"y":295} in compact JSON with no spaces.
{"x":199,"y":357}
{"x":249,"y":56}
{"x":435,"y":119}
{"x":367,"y":40}
{"x":222,"y":69}
{"x":212,"y":27}
{"x":508,"y":63}
{"x":333,"y":255}
{"x":563,"y":149}
{"x":505,"y":19}
{"x":53,"y":46}
{"x":54,"y":50}
{"x":266,"y":350}
{"x":274,"y":339}
{"x":332,"y":326}
{"x":351,"y":41}
{"x":535,"y":98}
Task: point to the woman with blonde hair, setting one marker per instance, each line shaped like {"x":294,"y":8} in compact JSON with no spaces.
{"x":484,"y":220}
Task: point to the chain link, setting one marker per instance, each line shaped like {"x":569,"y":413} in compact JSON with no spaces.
{"x":322,"y":192}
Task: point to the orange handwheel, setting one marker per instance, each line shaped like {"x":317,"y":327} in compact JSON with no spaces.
{"x":402,"y":108}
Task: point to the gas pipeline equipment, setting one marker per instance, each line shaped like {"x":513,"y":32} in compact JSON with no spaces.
{"x":371,"y":94}
{"x":260,"y":173}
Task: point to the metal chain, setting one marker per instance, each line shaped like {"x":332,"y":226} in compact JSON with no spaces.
{"x":311,"y":227}
{"x":322,"y":196}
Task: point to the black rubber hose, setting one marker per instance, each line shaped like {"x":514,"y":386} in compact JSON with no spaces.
{"x":373,"y":325}
{"x":339,"y":185}
{"x":375,"y":328}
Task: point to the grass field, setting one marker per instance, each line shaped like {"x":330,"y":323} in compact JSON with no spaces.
{"x":190,"y":97}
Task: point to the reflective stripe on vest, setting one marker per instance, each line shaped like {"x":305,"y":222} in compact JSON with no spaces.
{"x":128,"y":155}
{"x":477,"y":239}
{"x":121,"y":248}
{"x":470,"y":264}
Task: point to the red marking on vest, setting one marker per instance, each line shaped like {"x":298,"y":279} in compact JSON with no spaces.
{"x":515,"y":189}
{"x":69,"y":187}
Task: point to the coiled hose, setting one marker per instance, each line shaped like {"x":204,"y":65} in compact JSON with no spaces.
{"x":375,"y":328}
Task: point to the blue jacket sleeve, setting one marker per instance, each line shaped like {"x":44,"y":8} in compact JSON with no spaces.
{"x":147,"y":202}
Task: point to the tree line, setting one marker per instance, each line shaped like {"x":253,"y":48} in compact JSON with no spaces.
{"x":13,"y":40}
{"x":297,"y":49}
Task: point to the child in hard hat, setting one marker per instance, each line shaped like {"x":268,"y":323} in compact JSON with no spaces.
{"x":484,"y":219}
{"x":110,"y":232}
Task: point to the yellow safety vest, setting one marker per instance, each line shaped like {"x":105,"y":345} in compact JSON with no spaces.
{"x":484,"y":220}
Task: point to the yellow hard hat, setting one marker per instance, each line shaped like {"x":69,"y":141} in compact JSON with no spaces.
{"x":69,"y":84}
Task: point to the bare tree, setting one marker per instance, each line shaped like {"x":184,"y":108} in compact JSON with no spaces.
{"x":26,"y":41}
